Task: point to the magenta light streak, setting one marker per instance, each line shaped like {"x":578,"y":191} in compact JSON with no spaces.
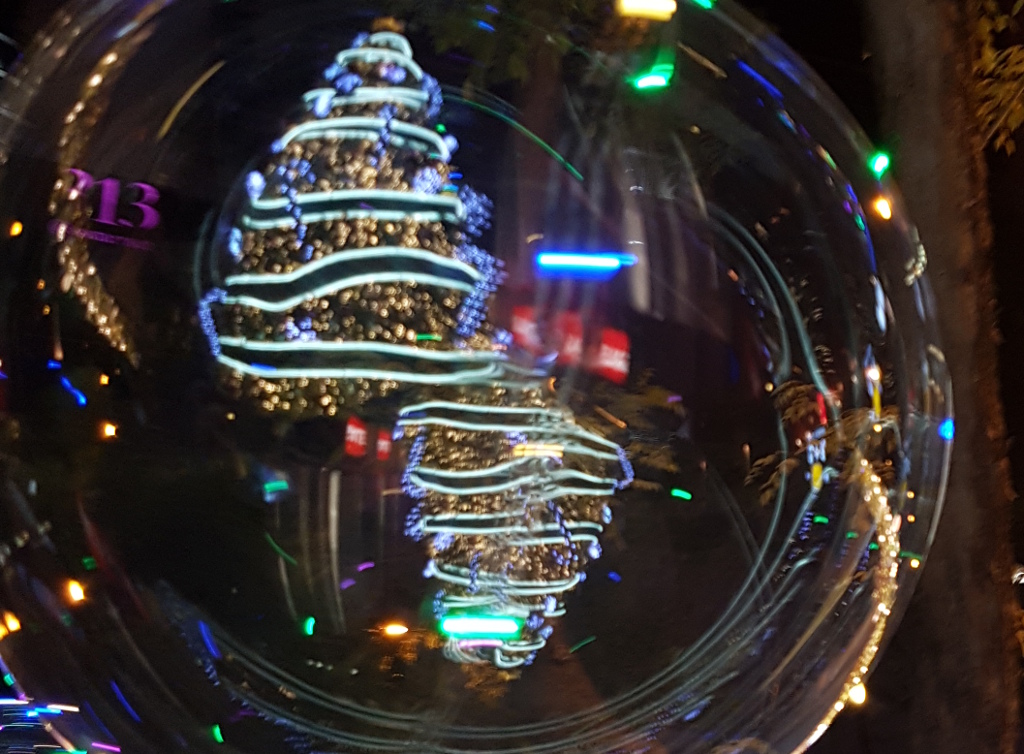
{"x":105,"y":747}
{"x":477,"y":643}
{"x":347,"y":583}
{"x":364,"y":566}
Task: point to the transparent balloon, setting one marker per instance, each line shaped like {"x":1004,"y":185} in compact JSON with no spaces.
{"x":451,"y":377}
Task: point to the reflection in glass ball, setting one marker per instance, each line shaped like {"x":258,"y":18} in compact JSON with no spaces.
{"x":451,"y":378}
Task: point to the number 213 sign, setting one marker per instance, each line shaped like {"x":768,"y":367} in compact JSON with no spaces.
{"x":141,"y":214}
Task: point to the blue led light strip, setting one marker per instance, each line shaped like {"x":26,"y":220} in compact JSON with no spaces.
{"x":387,"y":253}
{"x":339,"y":285}
{"x":365,"y":95}
{"x":603,"y":262}
{"x":379,"y":55}
{"x":355,"y":346}
{"x":467,"y":376}
{"x":452,"y":204}
{"x":358,"y":127}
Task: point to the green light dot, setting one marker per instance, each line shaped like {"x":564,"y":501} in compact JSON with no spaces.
{"x":706,"y":4}
{"x":9,"y":679}
{"x":879,"y":163}
{"x":309,"y":626}
{"x":657,"y":77}
{"x":820,"y":520}
{"x":217,"y":735}
{"x":89,"y":563}
{"x":682,"y":493}
{"x":652,"y":81}
{"x":873,"y":546}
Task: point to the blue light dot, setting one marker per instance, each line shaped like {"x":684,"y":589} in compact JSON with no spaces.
{"x":947,"y":430}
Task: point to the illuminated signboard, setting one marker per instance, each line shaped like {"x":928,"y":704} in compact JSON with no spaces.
{"x":116,"y":207}
{"x":355,"y":437}
{"x":383,"y":445}
{"x":606,"y":356}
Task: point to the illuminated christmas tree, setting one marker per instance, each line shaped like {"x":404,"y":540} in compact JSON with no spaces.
{"x":352,"y":273}
{"x":350,"y":270}
{"x":513,"y":496}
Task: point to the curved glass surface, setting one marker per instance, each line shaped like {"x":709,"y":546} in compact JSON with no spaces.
{"x":450,"y":377}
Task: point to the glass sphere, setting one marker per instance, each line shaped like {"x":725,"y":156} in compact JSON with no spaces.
{"x":451,"y":377}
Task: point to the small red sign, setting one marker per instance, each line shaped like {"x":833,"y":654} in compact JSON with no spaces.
{"x":570,"y":335}
{"x":524,"y":328}
{"x":355,"y":437}
{"x":612,"y":358}
{"x":383,"y":446}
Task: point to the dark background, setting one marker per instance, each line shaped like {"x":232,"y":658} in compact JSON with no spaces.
{"x":830,"y":37}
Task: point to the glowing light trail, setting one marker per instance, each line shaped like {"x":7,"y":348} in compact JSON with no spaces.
{"x":483,"y":626}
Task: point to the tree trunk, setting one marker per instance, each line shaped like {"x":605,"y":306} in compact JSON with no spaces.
{"x":949,"y":682}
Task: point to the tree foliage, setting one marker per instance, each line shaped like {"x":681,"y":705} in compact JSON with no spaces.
{"x":514,"y":40}
{"x":998,"y":73}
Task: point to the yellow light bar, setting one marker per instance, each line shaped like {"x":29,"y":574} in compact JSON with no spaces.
{"x":537,"y":450}
{"x":12,"y":622}
{"x":653,"y":10}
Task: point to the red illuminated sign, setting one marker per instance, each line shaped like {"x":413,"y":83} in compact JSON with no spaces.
{"x":607,"y":357}
{"x":383,"y":446}
{"x":355,"y":437}
{"x":611,"y":360}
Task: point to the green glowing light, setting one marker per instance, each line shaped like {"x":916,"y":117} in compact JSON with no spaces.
{"x":873,"y":546}
{"x":583,"y":643}
{"x":820,"y":520}
{"x":278,"y":550}
{"x":879,"y":163}
{"x":9,"y":679}
{"x":521,"y":129}
{"x":428,"y":336}
{"x":441,"y":129}
{"x":706,"y":4}
{"x":851,"y":535}
{"x":89,"y":563}
{"x":481,"y":626}
{"x":909,"y":554}
{"x":309,"y":626}
{"x":278,"y":485}
{"x":682,"y":493}
{"x":859,"y":220}
{"x":217,"y":735}
{"x":658,"y":77}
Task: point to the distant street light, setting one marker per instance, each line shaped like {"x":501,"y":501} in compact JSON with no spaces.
{"x":653,"y":10}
